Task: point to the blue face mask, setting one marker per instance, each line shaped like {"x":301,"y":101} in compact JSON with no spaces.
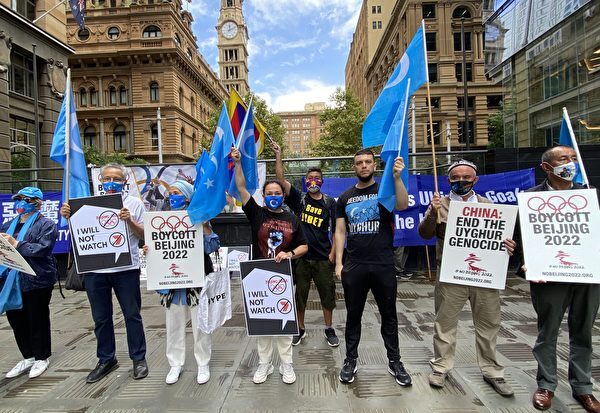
{"x":24,"y":207}
{"x":177,"y":201}
{"x":112,"y":187}
{"x":273,"y":201}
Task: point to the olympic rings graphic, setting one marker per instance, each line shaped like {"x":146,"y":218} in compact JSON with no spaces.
{"x":172,"y":223}
{"x":557,"y":203}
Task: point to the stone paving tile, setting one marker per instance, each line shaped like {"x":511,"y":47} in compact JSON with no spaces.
{"x":317,"y":389}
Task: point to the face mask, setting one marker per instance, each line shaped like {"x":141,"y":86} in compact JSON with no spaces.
{"x":273,"y":201}
{"x":314,"y":185}
{"x":461,"y":187}
{"x":112,"y":187}
{"x":566,"y":171}
{"x":177,"y":201}
{"x":24,"y":207}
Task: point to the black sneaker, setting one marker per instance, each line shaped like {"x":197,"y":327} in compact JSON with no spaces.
{"x":348,"y":371}
{"x":297,"y":339}
{"x":331,"y":338}
{"x":396,"y":369}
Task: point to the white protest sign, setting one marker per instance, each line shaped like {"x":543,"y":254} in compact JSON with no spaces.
{"x":175,"y":257}
{"x":474,"y":251}
{"x":235,"y":255}
{"x":10,"y":258}
{"x":560,"y":235}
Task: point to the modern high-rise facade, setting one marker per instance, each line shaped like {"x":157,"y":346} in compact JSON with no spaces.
{"x":302,"y":128}
{"x":132,"y":59}
{"x":232,"y":42}
{"x":444,"y":21}
{"x":545,"y":56}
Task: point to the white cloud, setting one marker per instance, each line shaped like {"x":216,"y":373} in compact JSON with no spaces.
{"x":294,"y":98}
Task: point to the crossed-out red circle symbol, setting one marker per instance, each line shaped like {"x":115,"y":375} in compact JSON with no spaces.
{"x":172,"y":223}
{"x":557,"y":203}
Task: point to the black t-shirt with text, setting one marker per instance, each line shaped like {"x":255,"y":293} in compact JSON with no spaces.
{"x":272,"y":232}
{"x":317,"y":217}
{"x":369,"y":226}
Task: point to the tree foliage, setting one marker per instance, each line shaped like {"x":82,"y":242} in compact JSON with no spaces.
{"x":343,"y":125}
{"x":496,"y":130}
{"x":95,"y":157}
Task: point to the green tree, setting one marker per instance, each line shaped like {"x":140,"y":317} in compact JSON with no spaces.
{"x":343,"y":125}
{"x":496,"y":130}
{"x":95,"y":157}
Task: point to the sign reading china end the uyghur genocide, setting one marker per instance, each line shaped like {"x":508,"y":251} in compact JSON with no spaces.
{"x":175,"y":257}
{"x":474,"y":251}
{"x":560,"y":235}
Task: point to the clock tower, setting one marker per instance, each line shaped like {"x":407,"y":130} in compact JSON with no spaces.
{"x":233,"y":46}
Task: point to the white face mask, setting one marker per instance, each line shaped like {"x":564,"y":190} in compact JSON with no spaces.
{"x":566,"y":171}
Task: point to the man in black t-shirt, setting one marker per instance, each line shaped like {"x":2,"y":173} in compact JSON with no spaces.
{"x":369,"y":263}
{"x":317,"y":213}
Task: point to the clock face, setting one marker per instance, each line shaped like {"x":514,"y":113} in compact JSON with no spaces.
{"x":229,"y":29}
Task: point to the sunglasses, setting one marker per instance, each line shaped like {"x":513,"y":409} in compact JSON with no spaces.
{"x":28,"y":200}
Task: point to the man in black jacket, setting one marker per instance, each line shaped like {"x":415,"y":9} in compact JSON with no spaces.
{"x":550,"y":301}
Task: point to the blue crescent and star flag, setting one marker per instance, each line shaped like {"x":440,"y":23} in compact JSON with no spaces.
{"x":78,"y":9}
{"x":567,"y":138}
{"x":247,"y":147}
{"x":78,"y":178}
{"x":200,"y":168}
{"x":410,"y":74}
{"x":214,"y":177}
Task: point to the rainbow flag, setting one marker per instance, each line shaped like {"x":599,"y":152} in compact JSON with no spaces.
{"x":237,"y":113}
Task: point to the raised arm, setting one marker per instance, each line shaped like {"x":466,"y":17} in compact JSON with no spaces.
{"x":279,"y":174}
{"x":401,"y":193}
{"x":240,"y":181}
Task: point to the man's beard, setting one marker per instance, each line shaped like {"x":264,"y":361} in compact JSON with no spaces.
{"x":364,"y":179}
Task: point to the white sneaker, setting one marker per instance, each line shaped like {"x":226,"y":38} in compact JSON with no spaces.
{"x":287,"y":373}
{"x":262,"y":372}
{"x":173,"y":375}
{"x":21,"y":367}
{"x":39,"y":366}
{"x":203,"y":374}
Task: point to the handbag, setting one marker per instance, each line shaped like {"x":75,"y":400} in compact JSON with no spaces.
{"x":74,"y":281}
{"x":214,"y":304}
{"x":10,"y":291}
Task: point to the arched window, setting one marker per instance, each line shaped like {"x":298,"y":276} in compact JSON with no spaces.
{"x":154,"y":92}
{"x":112,"y":95}
{"x":193,"y":106}
{"x":189,"y":53}
{"x":154,"y":136}
{"x":119,"y":139}
{"x":89,"y":136}
{"x":113,"y":33}
{"x":93,"y":97}
{"x":82,"y":97}
{"x":177,"y":40}
{"x":151,"y":31}
{"x":122,"y":95}
{"x":181,"y":98}
{"x":460,"y":12}
{"x":182,"y":137}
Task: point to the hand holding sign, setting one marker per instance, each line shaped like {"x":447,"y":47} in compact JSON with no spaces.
{"x":269,"y":295}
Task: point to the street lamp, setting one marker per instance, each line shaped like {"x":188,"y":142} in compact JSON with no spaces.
{"x":464,"y":79}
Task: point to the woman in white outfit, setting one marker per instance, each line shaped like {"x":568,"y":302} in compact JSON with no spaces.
{"x":178,"y":302}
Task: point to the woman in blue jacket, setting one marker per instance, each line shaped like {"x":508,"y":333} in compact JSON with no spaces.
{"x":33,"y":235}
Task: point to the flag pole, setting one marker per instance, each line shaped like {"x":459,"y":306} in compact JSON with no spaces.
{"x":576,"y":147}
{"x":435,"y":180}
{"x":67,"y":133}
{"x":404,"y":108}
{"x":237,"y":144}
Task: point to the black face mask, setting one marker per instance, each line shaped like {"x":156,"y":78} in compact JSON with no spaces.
{"x":461,"y":188}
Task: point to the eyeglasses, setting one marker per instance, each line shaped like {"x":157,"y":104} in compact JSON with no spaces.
{"x":109,"y":179}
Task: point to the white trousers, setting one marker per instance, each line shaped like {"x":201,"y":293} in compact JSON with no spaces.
{"x":265,"y":348}
{"x":176,"y":319}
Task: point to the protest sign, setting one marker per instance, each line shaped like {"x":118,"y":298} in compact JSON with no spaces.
{"x":559,"y":232}
{"x":175,"y":257}
{"x":100,"y":238}
{"x":235,"y":255}
{"x":219,"y":260}
{"x":474,"y":251}
{"x":10,"y":258}
{"x":268,"y":292}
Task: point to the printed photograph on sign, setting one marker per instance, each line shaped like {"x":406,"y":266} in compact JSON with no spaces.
{"x":474,"y":250}
{"x":559,"y":240}
{"x":269,"y":300}
{"x":175,"y":257}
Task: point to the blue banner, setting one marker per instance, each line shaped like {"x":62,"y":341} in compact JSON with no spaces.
{"x":50,"y":209}
{"x":499,"y":188}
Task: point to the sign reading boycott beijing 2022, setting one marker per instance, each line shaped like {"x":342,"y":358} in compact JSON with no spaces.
{"x":560,"y":235}
{"x":474,"y":251}
{"x":269,"y":304}
{"x":175,"y":256}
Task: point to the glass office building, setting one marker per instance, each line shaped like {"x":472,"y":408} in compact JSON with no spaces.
{"x":546,"y":55}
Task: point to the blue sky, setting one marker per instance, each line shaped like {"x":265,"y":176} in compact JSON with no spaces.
{"x":298,"y":48}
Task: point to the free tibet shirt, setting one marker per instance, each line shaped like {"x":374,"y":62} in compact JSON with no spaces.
{"x":369,"y":226}
{"x":272,"y":232}
{"x":317,"y":221}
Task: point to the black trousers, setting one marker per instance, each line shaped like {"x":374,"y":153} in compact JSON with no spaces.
{"x":357,"y":280}
{"x":31,"y":324}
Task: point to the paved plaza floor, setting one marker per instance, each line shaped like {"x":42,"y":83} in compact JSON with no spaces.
{"x":63,"y":388}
